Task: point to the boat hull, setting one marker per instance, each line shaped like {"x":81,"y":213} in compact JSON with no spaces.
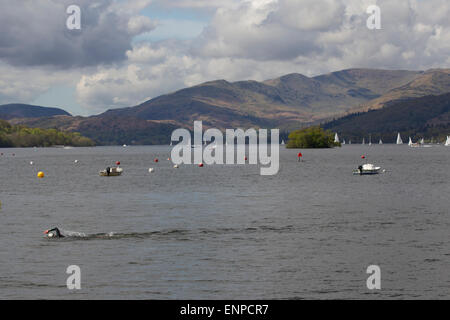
{"x":114,"y":172}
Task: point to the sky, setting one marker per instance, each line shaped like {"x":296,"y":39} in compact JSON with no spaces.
{"x":127,"y":52}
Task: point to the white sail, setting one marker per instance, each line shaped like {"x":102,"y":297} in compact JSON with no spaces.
{"x":282,"y":142}
{"x":364,"y":141}
{"x":350,"y":142}
{"x":399,"y":139}
{"x":336,"y":138}
{"x":447,"y":143}
{"x":422,"y":141}
{"x":410,"y":143}
{"x":343,"y":142}
{"x":380,"y":142}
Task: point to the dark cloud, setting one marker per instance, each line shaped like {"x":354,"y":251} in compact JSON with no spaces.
{"x":34,"y":33}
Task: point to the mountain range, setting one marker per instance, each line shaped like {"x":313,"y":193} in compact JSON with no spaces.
{"x":287,"y":102}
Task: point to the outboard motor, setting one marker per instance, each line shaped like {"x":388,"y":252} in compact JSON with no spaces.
{"x":53,"y":233}
{"x":108,"y":170}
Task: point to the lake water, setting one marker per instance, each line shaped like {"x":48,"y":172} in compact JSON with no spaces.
{"x":226,"y":232}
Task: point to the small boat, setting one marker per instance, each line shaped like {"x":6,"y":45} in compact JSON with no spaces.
{"x":447,"y":143}
{"x":336,"y":138}
{"x":343,"y":142}
{"x":367,"y":169}
{"x":380,"y":142}
{"x":282,"y":142}
{"x":111,"y":172}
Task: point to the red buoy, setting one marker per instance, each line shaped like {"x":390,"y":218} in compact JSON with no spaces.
{"x":118,"y":163}
{"x":200,"y":165}
{"x":363,"y":157}
{"x":246,"y":158}
{"x":300,"y":155}
{"x":156,"y":160}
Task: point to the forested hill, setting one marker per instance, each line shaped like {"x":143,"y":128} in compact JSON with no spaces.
{"x":427,"y":117}
{"x":21,"y":136}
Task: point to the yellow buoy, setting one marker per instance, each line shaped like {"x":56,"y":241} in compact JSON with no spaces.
{"x":40,"y":174}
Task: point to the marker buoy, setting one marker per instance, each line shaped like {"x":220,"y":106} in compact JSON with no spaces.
{"x":168,"y":159}
{"x":245,"y":158}
{"x":156,"y":160}
{"x":363,"y":157}
{"x":151,"y":170}
{"x":40,"y":175}
{"x":175,"y":166}
{"x":31,"y":162}
{"x":118,"y":163}
{"x":200,"y":165}
{"x":76,"y":161}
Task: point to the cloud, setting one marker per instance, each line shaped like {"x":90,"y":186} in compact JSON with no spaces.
{"x":261,"y":39}
{"x":35,"y":33}
{"x":246,"y":39}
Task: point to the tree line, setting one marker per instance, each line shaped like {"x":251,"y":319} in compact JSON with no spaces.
{"x":21,"y":136}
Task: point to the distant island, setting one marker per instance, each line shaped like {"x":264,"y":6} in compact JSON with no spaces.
{"x":312,"y":137}
{"x":21,"y":136}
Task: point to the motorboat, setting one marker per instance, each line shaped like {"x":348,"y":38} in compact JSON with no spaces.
{"x":367,"y":169}
{"x":111,"y":172}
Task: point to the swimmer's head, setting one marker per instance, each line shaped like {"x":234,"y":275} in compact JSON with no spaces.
{"x":53,"y":233}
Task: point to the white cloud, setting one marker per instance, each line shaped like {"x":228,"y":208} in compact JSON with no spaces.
{"x":260,"y":39}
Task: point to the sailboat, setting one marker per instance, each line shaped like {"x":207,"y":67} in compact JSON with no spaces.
{"x":282,"y":142}
{"x":364,"y":141}
{"x":414,"y":145}
{"x":350,"y":142}
{"x":370,"y":140}
{"x":399,"y":139}
{"x":422,"y":141}
{"x":343,"y":142}
{"x":410,"y":143}
{"x":336,"y":138}
{"x":380,"y":142}
{"x":447,"y":143}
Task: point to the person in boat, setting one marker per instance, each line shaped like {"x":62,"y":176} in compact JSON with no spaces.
{"x":360,"y":168}
{"x":53,"y":233}
{"x":108,"y":170}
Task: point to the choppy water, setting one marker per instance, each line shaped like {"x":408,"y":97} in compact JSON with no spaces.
{"x":225,"y":232}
